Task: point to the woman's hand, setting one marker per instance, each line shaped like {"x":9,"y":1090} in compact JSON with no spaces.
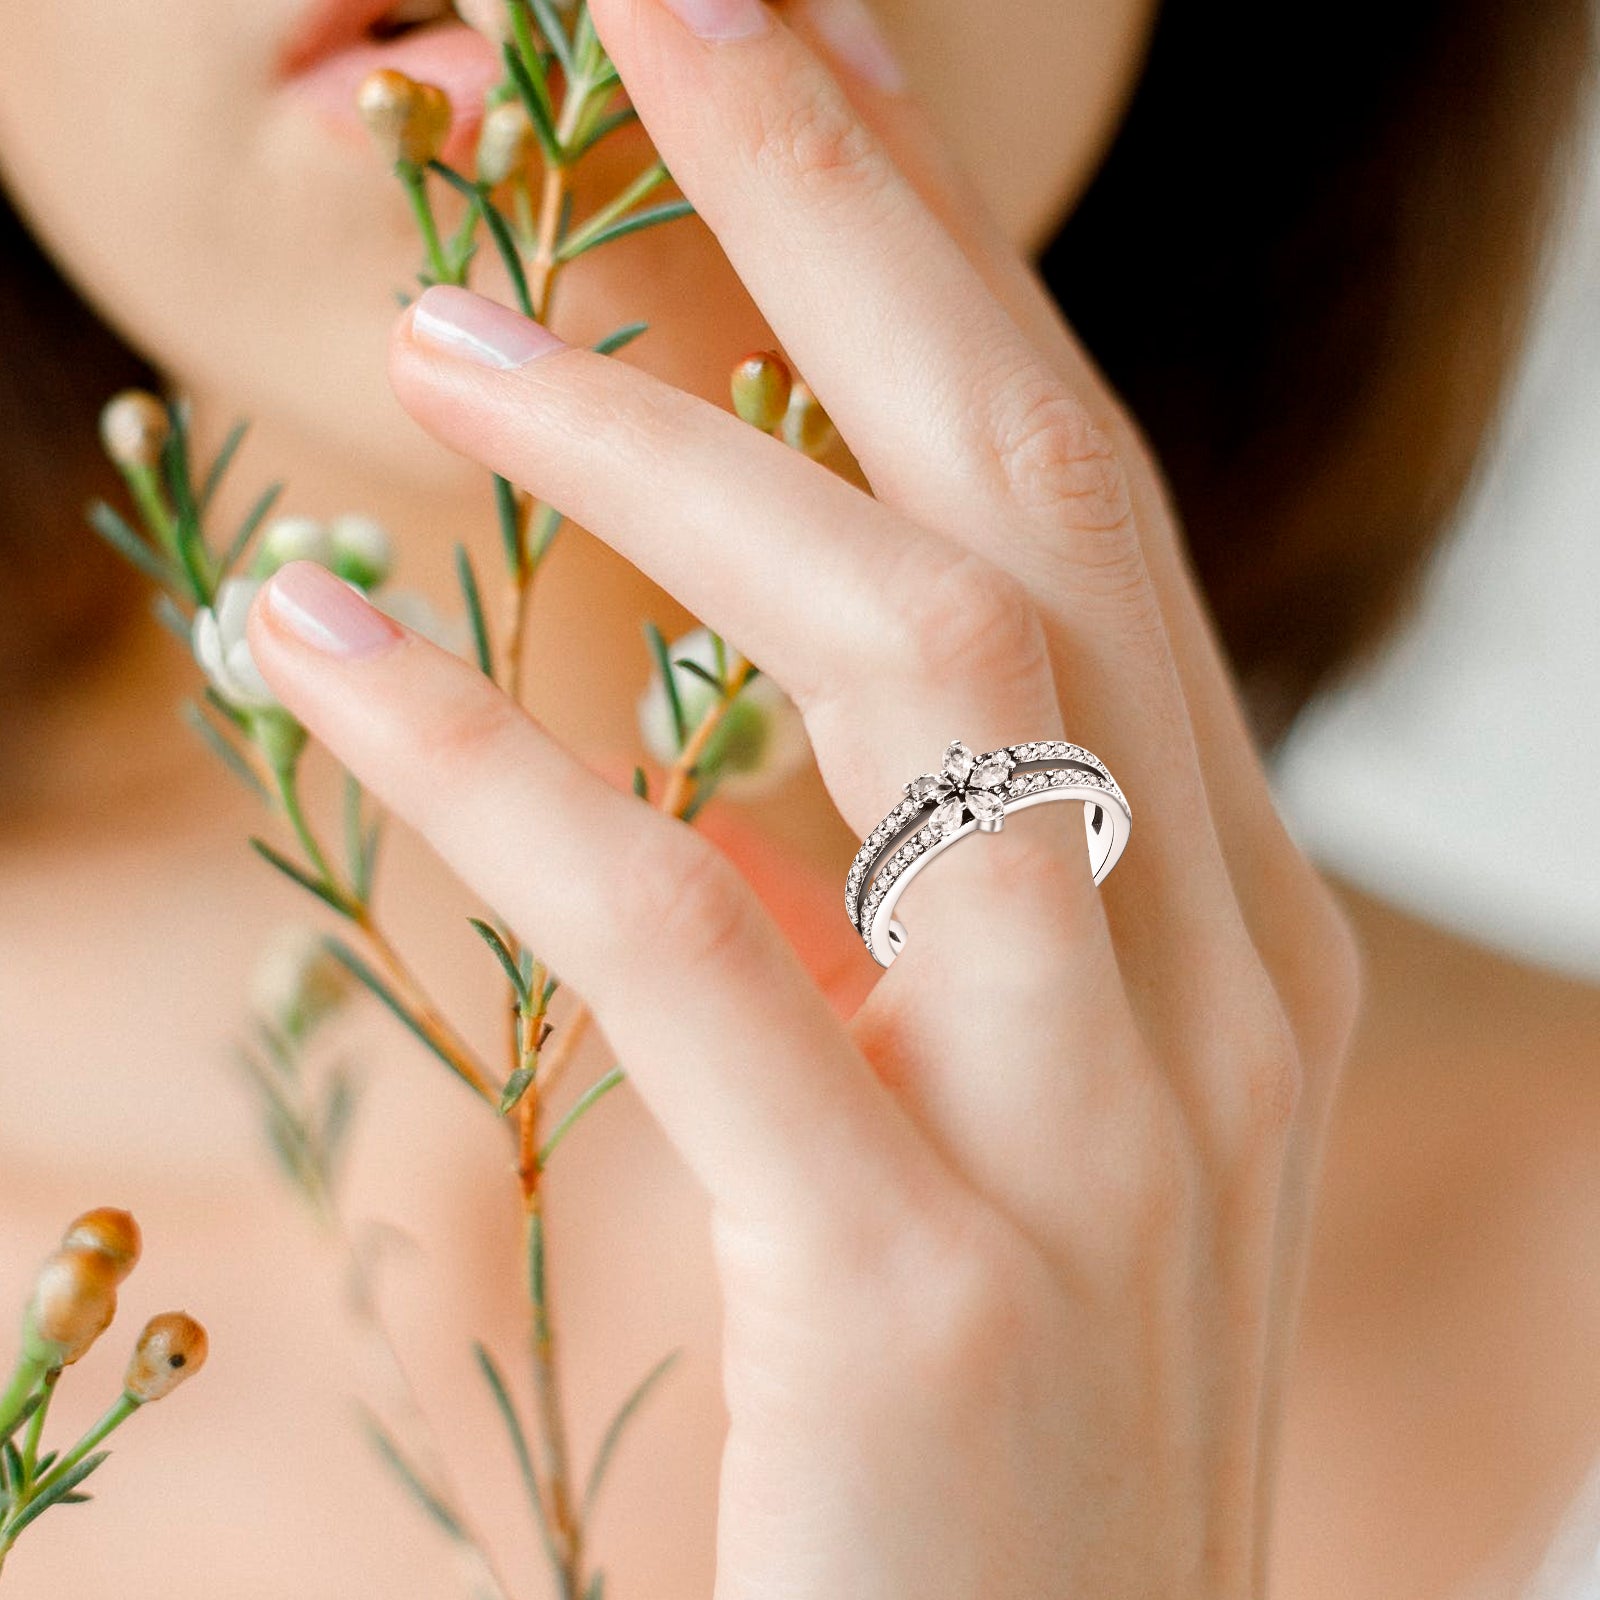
{"x":1010,"y":1260}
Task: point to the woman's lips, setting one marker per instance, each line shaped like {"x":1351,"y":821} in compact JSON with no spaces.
{"x":325,"y":73}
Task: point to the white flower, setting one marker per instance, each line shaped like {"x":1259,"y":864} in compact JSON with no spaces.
{"x":360,"y":549}
{"x":287,"y":539}
{"x":414,"y":611}
{"x":296,"y":983}
{"x":761,"y":741}
{"x":220,"y":646}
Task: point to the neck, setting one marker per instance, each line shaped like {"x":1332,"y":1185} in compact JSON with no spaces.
{"x":109,"y":743}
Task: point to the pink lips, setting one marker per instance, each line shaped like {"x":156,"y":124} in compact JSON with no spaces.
{"x":332,"y":51}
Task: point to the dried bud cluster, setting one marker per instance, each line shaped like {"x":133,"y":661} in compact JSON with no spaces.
{"x":172,"y":1348}
{"x":761,"y":386}
{"x":134,"y":428}
{"x":408,"y":121}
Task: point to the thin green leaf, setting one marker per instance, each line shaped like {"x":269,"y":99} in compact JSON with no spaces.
{"x":516,"y":1087}
{"x":519,"y":1441}
{"x":413,"y":1482}
{"x":555,"y":35}
{"x":358,"y":969}
{"x":536,"y":100}
{"x":505,"y":505}
{"x":621,"y":339}
{"x":658,"y":648}
{"x":701,"y":673}
{"x":605,"y":126}
{"x":546,"y":525}
{"x":625,"y":1414}
{"x":595,"y":1092}
{"x":225,"y":750}
{"x":506,"y":246}
{"x":170,"y":615}
{"x":116,"y":532}
{"x":503,"y":955}
{"x":324,"y":892}
{"x":56,"y":1492}
{"x":641,"y":783}
{"x":701,"y":797}
{"x":650,"y":217}
{"x":597,"y":1587}
{"x":355,"y":839}
{"x":246,"y":531}
{"x":473,"y":599}
{"x":719,"y":656}
{"x":219,"y":466}
{"x":340,"y":1100}
{"x":551,"y":984}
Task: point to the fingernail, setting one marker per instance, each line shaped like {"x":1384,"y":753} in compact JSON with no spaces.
{"x":476,"y":329}
{"x":322,"y":610}
{"x":852,"y":36}
{"x":721,"y":19}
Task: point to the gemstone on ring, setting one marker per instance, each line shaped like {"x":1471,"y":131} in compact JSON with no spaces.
{"x":935,"y":810}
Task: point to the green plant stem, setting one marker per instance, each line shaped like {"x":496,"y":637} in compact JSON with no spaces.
{"x":30,"y":1440}
{"x":288,"y":785}
{"x":144,"y":483}
{"x":116,"y":1414}
{"x":414,"y":180}
{"x":25,"y":1381}
{"x":566,"y":1526}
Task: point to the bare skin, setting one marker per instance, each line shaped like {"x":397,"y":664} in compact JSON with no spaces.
{"x":1485,"y":1448}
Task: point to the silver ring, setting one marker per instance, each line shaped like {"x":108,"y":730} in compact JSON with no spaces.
{"x":974,"y":794}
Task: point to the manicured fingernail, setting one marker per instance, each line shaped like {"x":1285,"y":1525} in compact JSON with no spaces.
{"x":852,"y":36}
{"x":721,"y":19}
{"x":320,"y":609}
{"x":464,"y":324}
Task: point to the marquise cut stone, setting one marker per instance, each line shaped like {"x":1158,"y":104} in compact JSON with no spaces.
{"x":947,"y":818}
{"x":958,"y":761}
{"x":985,"y":804}
{"x":930,"y":786}
{"x":990,"y":774}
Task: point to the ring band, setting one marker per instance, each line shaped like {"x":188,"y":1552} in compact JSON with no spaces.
{"x":974,"y":794}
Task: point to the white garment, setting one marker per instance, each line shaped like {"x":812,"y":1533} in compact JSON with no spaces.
{"x":1459,"y":777}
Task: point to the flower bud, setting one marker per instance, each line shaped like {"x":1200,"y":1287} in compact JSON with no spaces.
{"x":806,"y":426}
{"x":134,"y":427}
{"x":408,"y":120}
{"x":287,"y":539}
{"x":74,"y":1300}
{"x":114,"y":1234}
{"x":360,"y":550}
{"x":222,"y":647}
{"x":761,"y":386}
{"x":172,"y":1348}
{"x":757,"y":746}
{"x":297,"y":983}
{"x":506,"y":141}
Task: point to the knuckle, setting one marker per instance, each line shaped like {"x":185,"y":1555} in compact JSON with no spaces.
{"x":474,"y":731}
{"x":1055,"y":459}
{"x":683,"y":896}
{"x":962,"y":620}
{"x":814,"y":138}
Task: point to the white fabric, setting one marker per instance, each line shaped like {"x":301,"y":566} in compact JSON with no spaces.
{"x":1459,"y":777}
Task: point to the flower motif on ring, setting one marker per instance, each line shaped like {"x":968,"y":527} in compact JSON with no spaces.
{"x":964,"y":786}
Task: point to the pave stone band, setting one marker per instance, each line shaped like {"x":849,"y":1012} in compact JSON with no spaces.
{"x":974,"y":794}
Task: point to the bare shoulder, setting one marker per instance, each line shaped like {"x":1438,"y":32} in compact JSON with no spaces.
{"x":1446,"y":1401}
